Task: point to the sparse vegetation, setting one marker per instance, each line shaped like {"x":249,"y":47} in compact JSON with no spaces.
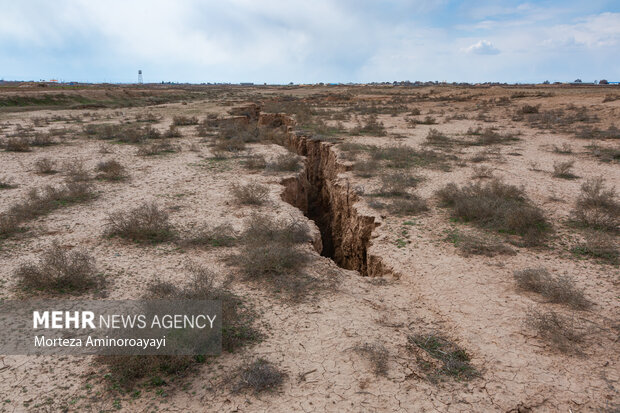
{"x":561,"y":289}
{"x":377,"y":355}
{"x":561,"y":331}
{"x":145,"y":223}
{"x":222,"y":235}
{"x":259,"y":376}
{"x":251,"y":193}
{"x":111,"y":170}
{"x":45,"y":166}
{"x":287,"y":162}
{"x":599,"y":245}
{"x":181,"y":120}
{"x":597,"y":206}
{"x":564,"y":170}
{"x":497,"y":206}
{"x":453,"y":361}
{"x":59,"y":271}
{"x":472,"y":244}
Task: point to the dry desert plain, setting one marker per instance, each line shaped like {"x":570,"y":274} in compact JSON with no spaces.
{"x":376,"y":248}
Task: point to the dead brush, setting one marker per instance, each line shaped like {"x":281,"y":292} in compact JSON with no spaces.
{"x":181,"y":120}
{"x":222,"y":235}
{"x":434,"y":137}
{"x":482,"y":172}
{"x":255,"y":162}
{"x":42,"y":139}
{"x":111,"y":170}
{"x":497,"y":206}
{"x":270,"y":252}
{"x":597,"y":206}
{"x":130,"y":371}
{"x":563,"y":332}
{"x":447,"y":358}
{"x":565,"y":149}
{"x":287,"y":162}
{"x":561,"y":289}
{"x":159,"y":148}
{"x":145,"y":223}
{"x":397,"y":184}
{"x":472,"y":244}
{"x":59,"y":271}
{"x":564,"y":170}
{"x":17,"y":144}
{"x":413,"y":204}
{"x":45,"y":166}
{"x":258,"y":377}
{"x":43,"y":201}
{"x":599,"y":245}
{"x":252,"y":193}
{"x":377,"y":355}
{"x":76,"y":171}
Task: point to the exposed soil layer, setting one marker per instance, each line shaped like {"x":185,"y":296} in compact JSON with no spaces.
{"x":329,"y":201}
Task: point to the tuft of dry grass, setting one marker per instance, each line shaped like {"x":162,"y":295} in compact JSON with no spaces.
{"x":498,"y":206}
{"x":237,"y":331}
{"x":561,"y":331}
{"x":158,"y":148}
{"x":561,"y":289}
{"x":597,"y":206}
{"x":76,"y":171}
{"x":377,"y":355}
{"x":255,"y":162}
{"x":145,"y":223}
{"x":181,"y":120}
{"x":17,"y":144}
{"x":251,"y":193}
{"x":452,"y":360}
{"x":45,"y":166}
{"x":258,"y":377}
{"x":287,"y":162}
{"x":472,"y":244}
{"x":564,"y":170}
{"x":111,"y":170}
{"x":59,"y":271}
{"x":270,"y":252}
{"x":599,"y":245}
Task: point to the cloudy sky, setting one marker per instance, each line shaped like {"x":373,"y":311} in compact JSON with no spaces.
{"x":281,"y":41}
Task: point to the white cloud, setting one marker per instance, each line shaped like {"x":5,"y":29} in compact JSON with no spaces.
{"x":483,"y":47}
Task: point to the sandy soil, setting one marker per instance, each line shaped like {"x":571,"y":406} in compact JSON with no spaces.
{"x":472,"y":300}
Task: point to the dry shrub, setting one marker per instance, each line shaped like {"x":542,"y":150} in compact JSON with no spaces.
{"x":111,"y":170}
{"x":237,"y":331}
{"x":498,"y":206}
{"x":251,"y":193}
{"x":172,"y":132}
{"x":287,"y":162}
{"x":482,"y":172}
{"x":184,"y":120}
{"x":45,"y":166}
{"x":157,"y":149}
{"x":17,"y":144}
{"x":371,"y":126}
{"x":564,"y":170}
{"x":255,"y":162}
{"x":434,"y":137}
{"x":403,"y":156}
{"x":258,"y":377}
{"x":565,"y":149}
{"x":270,"y":252}
{"x":472,"y":244}
{"x":59,"y":271}
{"x":43,"y":201}
{"x":397,"y":184}
{"x":599,"y":245}
{"x":366,"y":169}
{"x":76,"y":171}
{"x":490,"y":137}
{"x":377,"y":355}
{"x":411,"y":205}
{"x":222,"y":235}
{"x":597,"y":206}
{"x":42,"y":139}
{"x":6,"y":184}
{"x":452,"y":361}
{"x":9,"y":226}
{"x":561,"y":289}
{"x":563,"y":332}
{"x":146,"y":223}
{"x":605,"y":154}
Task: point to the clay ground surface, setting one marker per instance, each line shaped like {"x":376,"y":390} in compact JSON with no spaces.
{"x":403,"y":277}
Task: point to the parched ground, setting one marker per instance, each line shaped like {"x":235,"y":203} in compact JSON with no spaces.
{"x":435,"y":328}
